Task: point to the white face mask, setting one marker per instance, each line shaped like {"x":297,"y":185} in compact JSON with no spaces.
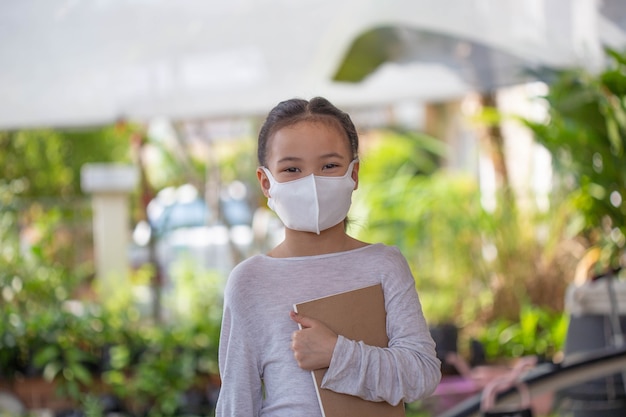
{"x":312,"y":203}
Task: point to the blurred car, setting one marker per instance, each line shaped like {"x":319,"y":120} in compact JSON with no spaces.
{"x":182,"y":224}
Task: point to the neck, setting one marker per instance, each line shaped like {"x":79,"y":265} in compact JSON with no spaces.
{"x":331,"y":240}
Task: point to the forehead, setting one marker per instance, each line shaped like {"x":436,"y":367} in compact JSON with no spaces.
{"x":309,"y":137}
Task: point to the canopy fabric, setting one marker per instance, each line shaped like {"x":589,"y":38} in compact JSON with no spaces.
{"x":81,"y":63}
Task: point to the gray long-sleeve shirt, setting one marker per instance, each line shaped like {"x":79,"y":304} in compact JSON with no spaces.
{"x":260,"y":376}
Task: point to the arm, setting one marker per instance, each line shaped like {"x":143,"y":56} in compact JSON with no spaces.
{"x":408,"y":369}
{"x":241,"y":390}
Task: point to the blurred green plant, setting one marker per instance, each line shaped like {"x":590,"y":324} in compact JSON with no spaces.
{"x":87,"y":349}
{"x":170,"y":362}
{"x":500,"y":259}
{"x":40,"y":189}
{"x":46,"y":162}
{"x":63,"y":352}
{"x":51,"y":326}
{"x":540,"y":332}
{"x":586,"y":136}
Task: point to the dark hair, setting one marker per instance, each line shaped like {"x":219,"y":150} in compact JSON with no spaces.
{"x":290,"y":112}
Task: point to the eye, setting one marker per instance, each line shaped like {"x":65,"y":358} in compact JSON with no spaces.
{"x":291,"y":169}
{"x":330,"y":166}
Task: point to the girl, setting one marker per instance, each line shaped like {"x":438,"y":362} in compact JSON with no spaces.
{"x":308,"y":156}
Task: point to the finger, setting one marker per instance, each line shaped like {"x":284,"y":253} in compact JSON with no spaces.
{"x":294,"y":316}
{"x":303,"y":321}
{"x":306,"y":322}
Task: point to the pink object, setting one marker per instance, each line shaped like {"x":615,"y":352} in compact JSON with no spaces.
{"x":454,"y":385}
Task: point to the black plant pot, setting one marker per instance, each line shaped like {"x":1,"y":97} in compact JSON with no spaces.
{"x":446,"y":338}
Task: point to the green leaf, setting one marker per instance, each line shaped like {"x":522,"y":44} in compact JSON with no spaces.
{"x":620,"y":58}
{"x":614,"y":136}
{"x":46,"y":354}
{"x":81,"y":373}
{"x":76,"y":355}
{"x":367,"y":53}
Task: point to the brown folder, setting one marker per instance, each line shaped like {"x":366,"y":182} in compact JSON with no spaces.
{"x":357,"y":315}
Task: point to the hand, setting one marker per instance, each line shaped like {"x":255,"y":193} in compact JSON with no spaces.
{"x":312,"y":346}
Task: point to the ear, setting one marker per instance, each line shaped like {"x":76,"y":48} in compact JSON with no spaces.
{"x":355,"y":174}
{"x":264,"y":182}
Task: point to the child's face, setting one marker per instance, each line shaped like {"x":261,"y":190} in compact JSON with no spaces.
{"x":307,"y":148}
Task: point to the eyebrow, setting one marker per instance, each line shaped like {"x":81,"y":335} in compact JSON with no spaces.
{"x":289,"y":159}
{"x":297,"y":159}
{"x":332,"y":155}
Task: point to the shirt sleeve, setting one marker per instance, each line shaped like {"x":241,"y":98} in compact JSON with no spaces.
{"x":408,"y":369}
{"x":241,"y":388}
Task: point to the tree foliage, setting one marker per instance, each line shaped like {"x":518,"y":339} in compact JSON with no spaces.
{"x":46,"y":162}
{"x":586,"y":135}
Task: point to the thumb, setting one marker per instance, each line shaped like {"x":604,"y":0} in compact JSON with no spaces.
{"x":303,"y":321}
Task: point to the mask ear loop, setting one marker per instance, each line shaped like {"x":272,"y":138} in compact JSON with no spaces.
{"x":270,"y":178}
{"x":350,"y":169}
{"x":268,"y":173}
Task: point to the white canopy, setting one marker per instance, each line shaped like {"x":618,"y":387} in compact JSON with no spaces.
{"x":71,"y":62}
